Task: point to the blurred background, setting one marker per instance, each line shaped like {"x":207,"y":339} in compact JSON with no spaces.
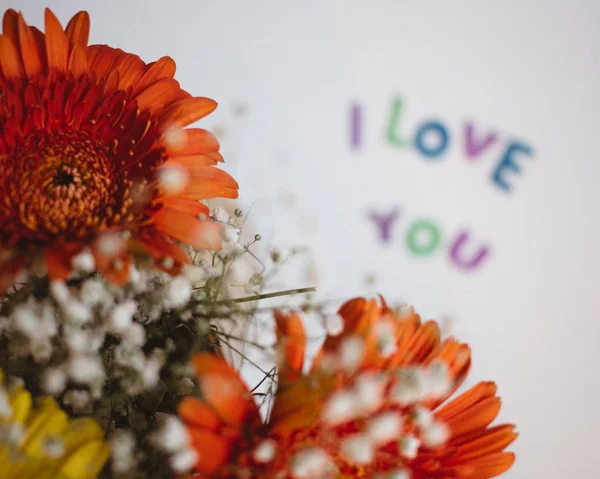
{"x":442,"y":153}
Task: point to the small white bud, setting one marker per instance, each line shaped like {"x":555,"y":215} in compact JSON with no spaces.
{"x":358,"y":450}
{"x":84,"y":262}
{"x":334,"y":324}
{"x":265,"y":451}
{"x":351,"y":353}
{"x":409,"y":446}
{"x":384,"y":427}
{"x":340,"y":407}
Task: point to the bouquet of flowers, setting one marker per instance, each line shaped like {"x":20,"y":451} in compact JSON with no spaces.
{"x":117,"y":317}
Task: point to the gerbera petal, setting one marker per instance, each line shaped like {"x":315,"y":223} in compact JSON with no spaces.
{"x":298,"y":404}
{"x":212,"y":449}
{"x":477,"y":393}
{"x":196,"y":141}
{"x":192,"y":161}
{"x":223,"y":389}
{"x":57,"y":44}
{"x":162,"y":68}
{"x":10,"y":60}
{"x":196,"y":413}
{"x":77,"y":62}
{"x":207,"y":182}
{"x":78,"y":30}
{"x":10,"y":27}
{"x":118,"y":270}
{"x":30,"y":54}
{"x":58,"y":262}
{"x":483,"y":443}
{"x":188,"y":110}
{"x":9,"y":270}
{"x":476,"y":415}
{"x":201,"y":234}
{"x":159,"y":94}
{"x":131,"y":67}
{"x":186,"y":205}
{"x":492,"y":465}
{"x":101,"y":58}
{"x":425,"y":339}
{"x":160,"y":248}
{"x":292,"y":336}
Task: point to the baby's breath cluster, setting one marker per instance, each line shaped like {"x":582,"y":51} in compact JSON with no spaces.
{"x":121,"y":353}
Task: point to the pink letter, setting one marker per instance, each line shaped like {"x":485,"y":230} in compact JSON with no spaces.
{"x":384,"y":223}
{"x":474,"y":148}
{"x":459,"y":259}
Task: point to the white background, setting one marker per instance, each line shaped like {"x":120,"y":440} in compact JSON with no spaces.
{"x":527,"y":69}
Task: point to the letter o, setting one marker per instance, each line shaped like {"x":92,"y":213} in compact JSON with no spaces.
{"x":415,"y":242}
{"x":429,"y":128}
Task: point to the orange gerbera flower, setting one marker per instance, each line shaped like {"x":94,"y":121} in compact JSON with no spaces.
{"x":92,"y":142}
{"x":371,"y":406}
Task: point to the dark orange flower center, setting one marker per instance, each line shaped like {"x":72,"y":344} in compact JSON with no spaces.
{"x":61,"y":183}
{"x":61,"y":177}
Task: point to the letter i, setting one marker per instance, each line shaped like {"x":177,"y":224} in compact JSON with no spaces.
{"x":355,"y":125}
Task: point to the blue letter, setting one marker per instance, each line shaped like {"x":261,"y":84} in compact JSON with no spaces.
{"x":508,"y":163}
{"x":442,"y":133}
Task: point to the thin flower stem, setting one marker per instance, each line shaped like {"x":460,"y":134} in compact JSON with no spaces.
{"x":258,"y":297}
{"x":268,"y":374}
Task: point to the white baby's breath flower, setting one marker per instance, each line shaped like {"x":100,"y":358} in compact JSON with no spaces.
{"x":60,"y":291}
{"x":409,"y":446}
{"x":334,"y":324}
{"x":171,"y":436}
{"x":219,"y":214}
{"x":85,"y":369}
{"x":265,"y":451}
{"x":340,"y":407}
{"x":122,"y":445}
{"x":384,"y":427}
{"x":120,"y":318}
{"x":5,"y":408}
{"x":351,"y":352}
{"x":76,"y":311}
{"x":94,"y":292}
{"x":134,"y":335}
{"x":54,"y":381}
{"x":184,"y":460}
{"x":435,"y":434}
{"x":310,"y":463}
{"x":358,"y":449}
{"x":77,"y":399}
{"x":177,"y":293}
{"x":84,"y":262}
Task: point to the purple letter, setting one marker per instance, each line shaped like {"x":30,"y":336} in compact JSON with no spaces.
{"x":458,"y":257}
{"x":384,"y":223}
{"x":474,"y":148}
{"x":355,"y":124}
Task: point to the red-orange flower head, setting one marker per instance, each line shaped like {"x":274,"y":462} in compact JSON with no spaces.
{"x":92,"y":141}
{"x":373,"y":405}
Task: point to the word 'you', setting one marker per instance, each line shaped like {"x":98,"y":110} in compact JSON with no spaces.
{"x":423,"y":238}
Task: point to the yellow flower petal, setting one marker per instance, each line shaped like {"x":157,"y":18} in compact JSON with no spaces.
{"x":85,"y":462}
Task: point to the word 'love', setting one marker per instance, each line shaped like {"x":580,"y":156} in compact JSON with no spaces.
{"x":432,"y":139}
